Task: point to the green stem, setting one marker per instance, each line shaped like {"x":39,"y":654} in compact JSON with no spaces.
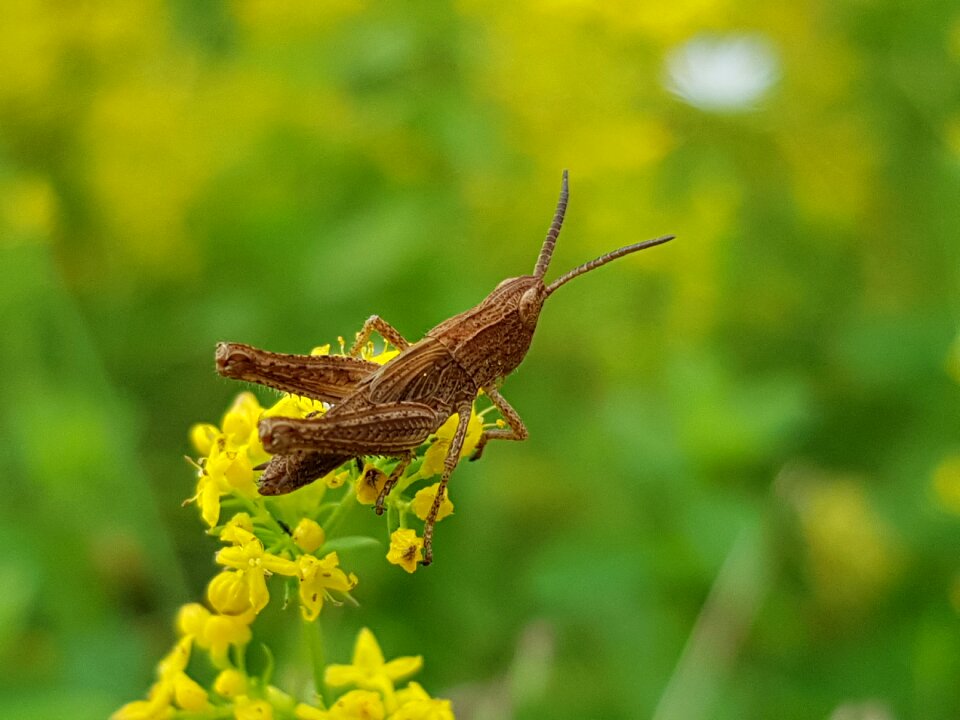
{"x":314,"y":633}
{"x":346,"y":502}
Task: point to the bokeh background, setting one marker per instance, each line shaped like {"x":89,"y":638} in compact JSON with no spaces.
{"x":740,"y":494}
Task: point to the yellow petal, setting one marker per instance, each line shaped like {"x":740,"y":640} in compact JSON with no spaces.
{"x":366,"y":651}
{"x":192,"y":619}
{"x":423,"y":502}
{"x":308,"y":712}
{"x":230,"y":683}
{"x":247,"y":709}
{"x":405,"y":547}
{"x":369,"y":484}
{"x":229,"y":593}
{"x":202,"y":437}
{"x":308,"y":535}
{"x":358,"y":705}
{"x":401,"y":667}
{"x":188,"y":693}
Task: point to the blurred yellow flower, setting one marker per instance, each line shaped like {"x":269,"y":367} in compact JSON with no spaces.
{"x":357,"y":705}
{"x":245,"y":708}
{"x":230,"y":683}
{"x":369,"y":671}
{"x":415,"y":704}
{"x":173,"y":688}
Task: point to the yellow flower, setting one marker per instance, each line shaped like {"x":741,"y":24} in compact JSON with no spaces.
{"x":369,"y":484}
{"x":230,"y":683}
{"x":423,"y":501}
{"x":203,"y":436}
{"x":380,"y":358}
{"x":229,"y":593}
{"x":249,"y":557}
{"x":317,"y":578}
{"x":357,"y":705}
{"x":405,"y":547}
{"x":240,"y":423}
{"x":245,"y":708}
{"x":308,"y":535}
{"x":174,"y":688}
{"x":416,"y":704}
{"x":335,"y":479}
{"x":436,"y":454}
{"x":213,"y":632}
{"x":368,"y":670}
{"x":240,"y":521}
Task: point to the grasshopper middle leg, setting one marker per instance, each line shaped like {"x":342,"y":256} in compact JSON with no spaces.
{"x":517,"y":431}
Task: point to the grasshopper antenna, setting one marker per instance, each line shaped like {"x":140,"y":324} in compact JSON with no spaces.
{"x":603,"y":259}
{"x":546,"y":252}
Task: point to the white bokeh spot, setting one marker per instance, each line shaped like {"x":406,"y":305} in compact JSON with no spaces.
{"x":722,"y":73}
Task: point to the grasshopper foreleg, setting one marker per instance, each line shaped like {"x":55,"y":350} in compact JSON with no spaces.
{"x":517,"y":430}
{"x":449,"y":463}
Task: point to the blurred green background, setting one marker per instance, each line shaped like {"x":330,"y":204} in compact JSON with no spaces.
{"x":739,"y":495}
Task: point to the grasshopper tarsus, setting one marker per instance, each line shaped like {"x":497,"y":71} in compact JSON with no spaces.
{"x":390,"y":410}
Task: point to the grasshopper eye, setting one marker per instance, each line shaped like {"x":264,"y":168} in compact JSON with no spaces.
{"x":530,"y":303}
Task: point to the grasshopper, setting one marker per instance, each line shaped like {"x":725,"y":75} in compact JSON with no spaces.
{"x":390,"y":410}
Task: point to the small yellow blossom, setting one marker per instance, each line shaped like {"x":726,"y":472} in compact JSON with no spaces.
{"x":188,"y":693}
{"x":173,"y":689}
{"x":213,"y":632}
{"x":240,"y":423}
{"x":230,"y":683}
{"x":249,"y":557}
{"x":415,"y":704}
{"x":245,"y":708}
{"x":405,"y":547}
{"x":335,"y":479}
{"x":368,"y":670}
{"x":357,"y":705}
{"x":369,"y":484}
{"x":308,"y":535}
{"x":229,"y":593}
{"x":295,"y":406}
{"x":434,"y":458}
{"x":241,"y":521}
{"x":203,"y":436}
{"x":423,"y":502}
{"x":317,"y":578}
{"x":321,"y":350}
{"x":381,"y":358}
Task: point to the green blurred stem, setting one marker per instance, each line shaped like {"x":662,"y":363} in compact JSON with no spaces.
{"x":314,"y":633}
{"x":346,"y":502}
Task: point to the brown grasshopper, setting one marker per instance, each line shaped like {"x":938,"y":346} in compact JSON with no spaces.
{"x":391,"y":410}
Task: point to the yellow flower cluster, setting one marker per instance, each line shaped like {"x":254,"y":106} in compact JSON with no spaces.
{"x":376,"y":696}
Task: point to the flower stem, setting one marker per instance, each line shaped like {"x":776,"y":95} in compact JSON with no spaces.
{"x":314,"y":633}
{"x":346,"y":502}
